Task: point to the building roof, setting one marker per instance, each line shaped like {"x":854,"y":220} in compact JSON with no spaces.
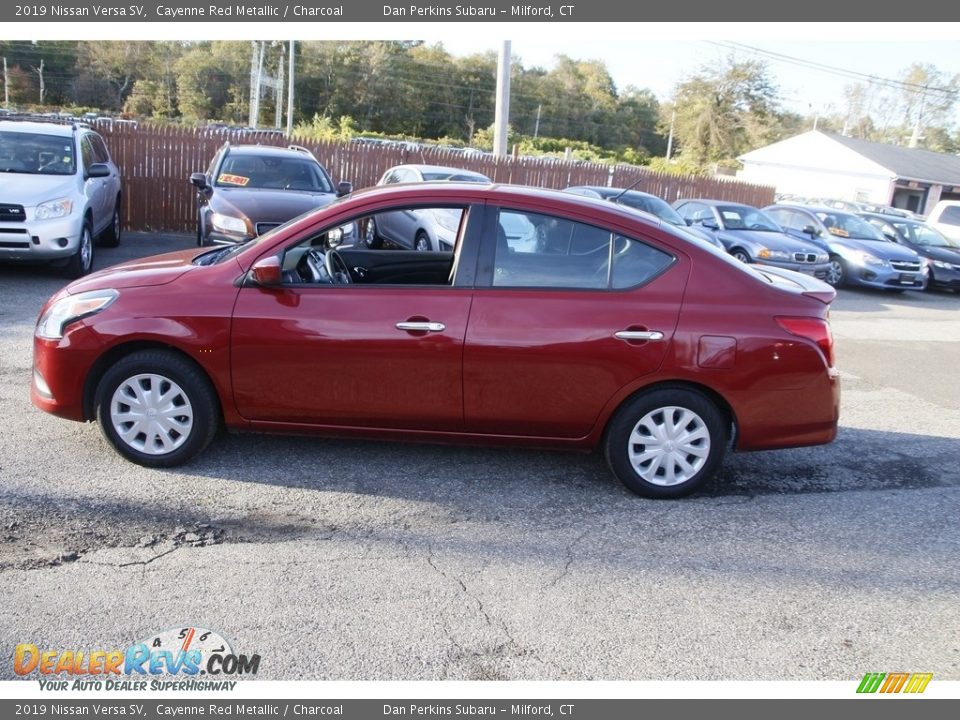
{"x":907,"y":163}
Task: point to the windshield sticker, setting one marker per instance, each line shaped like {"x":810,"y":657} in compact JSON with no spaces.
{"x":839,"y":232}
{"x":730,"y":215}
{"x":228,"y":179}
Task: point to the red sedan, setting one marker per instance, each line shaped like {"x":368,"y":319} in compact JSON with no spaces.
{"x":556,"y":321}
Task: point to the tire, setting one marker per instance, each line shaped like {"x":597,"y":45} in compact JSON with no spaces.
{"x":201,"y":240}
{"x":653,"y":473}
{"x":81,"y":262}
{"x":370,"y":239}
{"x":111,"y":236}
{"x":740,"y":255}
{"x":422,"y":242}
{"x":188,"y":407}
{"x":837,"y":274}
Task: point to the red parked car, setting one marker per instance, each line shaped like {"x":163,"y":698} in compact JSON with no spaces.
{"x":612,"y":331}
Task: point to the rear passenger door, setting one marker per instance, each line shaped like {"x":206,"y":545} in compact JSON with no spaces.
{"x":558,"y":326}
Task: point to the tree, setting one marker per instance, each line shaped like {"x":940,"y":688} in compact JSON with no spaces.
{"x":724,"y":111}
{"x":119,"y":63}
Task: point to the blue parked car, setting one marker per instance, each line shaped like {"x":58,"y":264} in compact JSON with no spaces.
{"x":859,"y":253}
{"x":942,"y":253}
{"x":753,"y":237}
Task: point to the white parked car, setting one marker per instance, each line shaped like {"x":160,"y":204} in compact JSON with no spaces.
{"x":945,"y":217}
{"x":424,"y":230}
{"x":59,"y":190}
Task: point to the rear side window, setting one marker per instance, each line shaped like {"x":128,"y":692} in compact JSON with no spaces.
{"x":535,"y":250}
{"x":100,"y":153}
{"x":951,"y":215}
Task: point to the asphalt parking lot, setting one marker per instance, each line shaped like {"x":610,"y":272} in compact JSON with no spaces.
{"x":352,"y":560}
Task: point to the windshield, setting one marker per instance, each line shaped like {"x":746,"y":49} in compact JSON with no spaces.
{"x":741,"y":217}
{"x":850,"y":226}
{"x":924,"y":235}
{"x":263,"y":172}
{"x":36,"y":154}
{"x":654,"y":206}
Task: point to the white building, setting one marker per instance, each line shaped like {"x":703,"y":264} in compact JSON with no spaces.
{"x":824,"y":165}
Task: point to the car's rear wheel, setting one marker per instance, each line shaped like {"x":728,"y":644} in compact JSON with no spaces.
{"x":81,"y":262}
{"x":157,"y":408}
{"x":837,"y":272}
{"x":666,"y":443}
{"x":111,"y":236}
{"x":370,"y":238}
{"x":422,"y":242}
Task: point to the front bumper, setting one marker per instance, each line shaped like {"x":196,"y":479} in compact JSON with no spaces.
{"x":887,"y":278}
{"x":948,"y":278}
{"x":40,"y":239}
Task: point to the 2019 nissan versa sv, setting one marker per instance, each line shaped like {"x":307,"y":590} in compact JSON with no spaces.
{"x":617,"y":332}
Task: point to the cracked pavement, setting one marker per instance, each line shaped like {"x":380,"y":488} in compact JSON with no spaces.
{"x":351,"y":560}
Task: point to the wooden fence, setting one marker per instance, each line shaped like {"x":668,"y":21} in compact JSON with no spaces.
{"x":156,"y":161}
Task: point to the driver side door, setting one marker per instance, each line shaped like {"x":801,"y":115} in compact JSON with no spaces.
{"x":353,"y":355}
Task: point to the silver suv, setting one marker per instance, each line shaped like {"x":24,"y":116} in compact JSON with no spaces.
{"x":59,"y":190}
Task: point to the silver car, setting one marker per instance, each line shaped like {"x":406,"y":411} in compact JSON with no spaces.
{"x":424,"y":230}
{"x":59,"y":190}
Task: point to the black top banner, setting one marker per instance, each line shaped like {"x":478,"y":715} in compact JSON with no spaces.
{"x":403,"y":11}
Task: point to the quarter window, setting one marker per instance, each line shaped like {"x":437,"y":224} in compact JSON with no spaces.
{"x":535,"y":250}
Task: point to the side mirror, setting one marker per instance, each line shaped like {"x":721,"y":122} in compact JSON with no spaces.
{"x":98,"y":170}
{"x":710,"y":224}
{"x":198,"y":180}
{"x":344,"y":188}
{"x":266,"y":272}
{"x":688,"y":221}
{"x":811,"y":231}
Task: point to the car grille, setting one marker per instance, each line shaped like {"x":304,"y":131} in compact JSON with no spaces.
{"x":12,"y":213}
{"x":905,"y":266}
{"x":266,"y":227}
{"x":14,"y":245}
{"x":805,"y":257}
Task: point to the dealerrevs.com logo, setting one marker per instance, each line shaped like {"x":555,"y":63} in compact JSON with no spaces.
{"x":186,"y":658}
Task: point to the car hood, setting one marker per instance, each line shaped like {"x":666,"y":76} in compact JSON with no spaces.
{"x":772,"y":240}
{"x":882,"y":250}
{"x":156,"y":270}
{"x":951,"y":255}
{"x":268,"y":205}
{"x":30,"y":190}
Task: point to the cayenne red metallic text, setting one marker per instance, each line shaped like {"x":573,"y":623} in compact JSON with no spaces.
{"x":557,"y":321}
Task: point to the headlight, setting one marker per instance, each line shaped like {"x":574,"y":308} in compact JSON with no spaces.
{"x":71,"y":308}
{"x":865,"y":258}
{"x":822,"y":258}
{"x":225,"y":223}
{"x":61,"y":207}
{"x":769,"y":254}
{"x":941,"y":264}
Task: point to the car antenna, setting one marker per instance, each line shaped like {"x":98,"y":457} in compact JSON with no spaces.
{"x":624,"y":191}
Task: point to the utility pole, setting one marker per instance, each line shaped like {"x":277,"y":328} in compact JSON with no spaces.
{"x":290,"y":94}
{"x":278,"y":92}
{"x":256,"y":71}
{"x":502,"y":115}
{"x":43,"y":88}
{"x":536,"y":128}
{"x":915,"y":137}
{"x":6,"y":85}
{"x":673,"y":118}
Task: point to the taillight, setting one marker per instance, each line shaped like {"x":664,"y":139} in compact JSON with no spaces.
{"x":813,"y":329}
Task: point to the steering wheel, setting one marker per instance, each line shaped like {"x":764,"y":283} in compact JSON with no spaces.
{"x":312,"y":268}
{"x":756,"y":226}
{"x":336,"y":268}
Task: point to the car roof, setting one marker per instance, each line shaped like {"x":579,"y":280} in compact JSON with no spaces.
{"x":715,"y":203}
{"x":503,"y":194}
{"x":436,"y":168}
{"x":608,"y":192}
{"x":267,"y":150}
{"x":41,"y":128}
{"x":891,"y":218}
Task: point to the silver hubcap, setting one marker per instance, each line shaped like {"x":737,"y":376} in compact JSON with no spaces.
{"x":741,"y":257}
{"x":116,"y":223}
{"x":151,"y":413}
{"x":835,"y":273}
{"x":423,"y":243}
{"x":669,"y":446}
{"x":86,"y":249}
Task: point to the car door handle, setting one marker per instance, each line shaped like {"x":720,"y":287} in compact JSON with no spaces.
{"x":421,"y":326}
{"x":639,"y":335}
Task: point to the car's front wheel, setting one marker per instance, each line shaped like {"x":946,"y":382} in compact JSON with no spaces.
{"x":666,"y":443}
{"x":741,"y":255}
{"x":81,"y":262}
{"x":837,"y":272}
{"x":157,"y":408}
